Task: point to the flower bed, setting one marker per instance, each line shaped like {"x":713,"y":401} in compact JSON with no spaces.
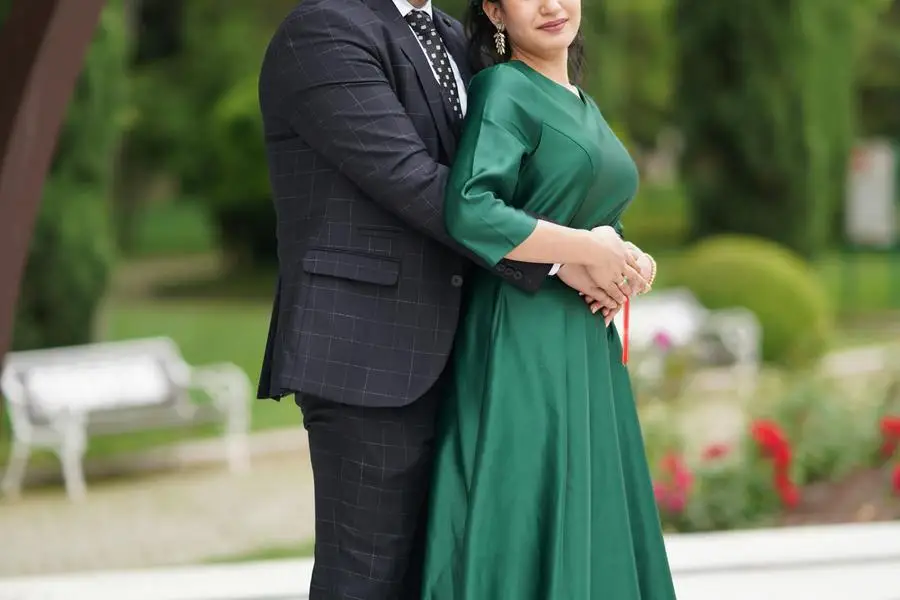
{"x":811,"y":457}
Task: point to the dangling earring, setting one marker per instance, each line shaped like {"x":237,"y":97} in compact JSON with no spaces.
{"x":500,"y":40}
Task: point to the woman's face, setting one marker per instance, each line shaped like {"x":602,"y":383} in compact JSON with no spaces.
{"x":542,"y":28}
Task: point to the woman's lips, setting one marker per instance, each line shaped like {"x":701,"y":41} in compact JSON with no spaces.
{"x":554,"y":26}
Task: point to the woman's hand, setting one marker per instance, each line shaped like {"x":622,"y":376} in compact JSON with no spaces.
{"x":645,"y":264}
{"x":609,"y":314}
{"x":613,"y":267}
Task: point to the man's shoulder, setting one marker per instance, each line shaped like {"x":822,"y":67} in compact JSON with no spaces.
{"x":449,"y":21}
{"x":325,"y":13}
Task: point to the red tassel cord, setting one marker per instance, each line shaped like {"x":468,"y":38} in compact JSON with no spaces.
{"x":627,"y":318}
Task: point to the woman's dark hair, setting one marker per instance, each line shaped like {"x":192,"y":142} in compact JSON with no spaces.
{"x":483,"y":51}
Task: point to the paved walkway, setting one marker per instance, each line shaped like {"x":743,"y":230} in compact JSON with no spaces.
{"x":160,"y":519}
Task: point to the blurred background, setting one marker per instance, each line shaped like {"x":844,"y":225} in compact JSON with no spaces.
{"x":765,"y":360}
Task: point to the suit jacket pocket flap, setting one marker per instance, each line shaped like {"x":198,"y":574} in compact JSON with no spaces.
{"x":356,"y":266}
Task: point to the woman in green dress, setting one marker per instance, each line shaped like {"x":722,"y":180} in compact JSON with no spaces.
{"x":541,"y":488}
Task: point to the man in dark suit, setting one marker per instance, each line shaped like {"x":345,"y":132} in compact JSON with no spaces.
{"x":361,"y":124}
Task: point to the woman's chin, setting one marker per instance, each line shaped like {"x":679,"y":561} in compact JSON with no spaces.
{"x":552,"y":44}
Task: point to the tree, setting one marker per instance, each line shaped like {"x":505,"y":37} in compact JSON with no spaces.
{"x":71,"y":251}
{"x":632,"y":58}
{"x":197,"y":114}
{"x":766,"y":102}
{"x":879,"y":89}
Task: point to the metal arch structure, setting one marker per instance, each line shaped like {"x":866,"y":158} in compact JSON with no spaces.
{"x":42,"y":50}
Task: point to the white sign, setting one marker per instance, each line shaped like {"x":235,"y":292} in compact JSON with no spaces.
{"x":871,"y":199}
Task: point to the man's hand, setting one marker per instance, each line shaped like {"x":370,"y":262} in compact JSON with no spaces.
{"x":577,"y":278}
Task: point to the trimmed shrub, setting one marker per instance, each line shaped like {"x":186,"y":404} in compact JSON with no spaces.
{"x":778,"y":286}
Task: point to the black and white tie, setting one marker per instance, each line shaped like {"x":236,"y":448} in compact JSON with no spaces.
{"x":428,"y":35}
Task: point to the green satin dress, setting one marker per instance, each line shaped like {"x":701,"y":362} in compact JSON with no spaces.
{"x":541,"y":488}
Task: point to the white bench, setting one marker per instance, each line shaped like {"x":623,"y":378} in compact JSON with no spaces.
{"x":729,"y":338}
{"x":58,"y":398}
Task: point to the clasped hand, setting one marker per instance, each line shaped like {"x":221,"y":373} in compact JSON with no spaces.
{"x":615,"y":271}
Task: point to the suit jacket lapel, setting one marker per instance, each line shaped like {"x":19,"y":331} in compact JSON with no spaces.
{"x":408,"y":43}
{"x":455,"y":44}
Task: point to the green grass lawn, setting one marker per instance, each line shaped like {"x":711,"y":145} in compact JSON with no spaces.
{"x":173,"y":228}
{"x":862,"y":283}
{"x":304,"y":550}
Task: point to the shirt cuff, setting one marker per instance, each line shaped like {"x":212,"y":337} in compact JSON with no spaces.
{"x":554,"y":270}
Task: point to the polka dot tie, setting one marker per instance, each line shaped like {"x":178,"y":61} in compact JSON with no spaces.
{"x":424,"y":28}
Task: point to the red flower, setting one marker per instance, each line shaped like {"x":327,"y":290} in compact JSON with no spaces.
{"x":890,"y":428}
{"x":787,"y":491}
{"x":677,"y":502}
{"x":660,"y":493}
{"x":768,"y":435}
{"x":774,"y":445}
{"x":790,"y":496}
{"x":672,"y":493}
{"x":890,"y":431}
{"x":715,"y":451}
{"x":781,"y":457}
{"x":662,"y":341}
{"x":678,"y":473}
{"x":668,"y":499}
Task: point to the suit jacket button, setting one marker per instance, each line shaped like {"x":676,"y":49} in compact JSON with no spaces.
{"x":456,"y":281}
{"x":518,"y":275}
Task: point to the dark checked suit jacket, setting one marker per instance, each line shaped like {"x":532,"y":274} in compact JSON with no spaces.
{"x":359,"y":138}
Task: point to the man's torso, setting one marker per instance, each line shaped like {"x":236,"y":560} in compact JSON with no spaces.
{"x":367,"y":307}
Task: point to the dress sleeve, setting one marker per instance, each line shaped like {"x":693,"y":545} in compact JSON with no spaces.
{"x":485,"y":172}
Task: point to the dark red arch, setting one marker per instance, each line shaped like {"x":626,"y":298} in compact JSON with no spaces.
{"x":42,"y":49}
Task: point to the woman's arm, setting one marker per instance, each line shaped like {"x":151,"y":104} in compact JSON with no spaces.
{"x":498,"y":136}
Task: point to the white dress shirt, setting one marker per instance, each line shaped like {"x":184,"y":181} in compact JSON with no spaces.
{"x":405,"y":8}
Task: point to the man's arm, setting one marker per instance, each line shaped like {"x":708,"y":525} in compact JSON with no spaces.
{"x":339,"y":100}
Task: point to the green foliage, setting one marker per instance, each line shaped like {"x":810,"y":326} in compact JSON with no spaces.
{"x":241,"y":198}
{"x":197,"y":118}
{"x":832,"y":435}
{"x":657,"y":219}
{"x":781,"y":289}
{"x":176,"y":228}
{"x":879,"y":64}
{"x":731,"y":492}
{"x":71,"y":252}
{"x":624,"y":38}
{"x":67,"y":270}
{"x":812,"y":433}
{"x":766,"y":91}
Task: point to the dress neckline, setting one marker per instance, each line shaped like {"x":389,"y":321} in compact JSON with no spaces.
{"x":525,"y":67}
